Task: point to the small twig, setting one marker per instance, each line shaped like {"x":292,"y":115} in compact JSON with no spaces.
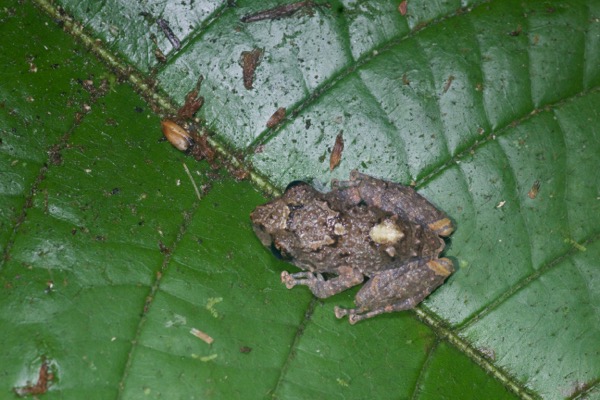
{"x":201,"y":335}
{"x":164,"y":26}
{"x":282,"y":11}
{"x":187,"y":171}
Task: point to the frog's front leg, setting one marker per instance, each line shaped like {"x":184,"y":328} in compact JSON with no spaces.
{"x":320,"y":287}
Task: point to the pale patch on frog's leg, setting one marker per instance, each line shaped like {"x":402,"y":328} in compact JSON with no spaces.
{"x":443,"y":267}
{"x":442,"y":227}
{"x":320,"y":287}
{"x":405,"y":201}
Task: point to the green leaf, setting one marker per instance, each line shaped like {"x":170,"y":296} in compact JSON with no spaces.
{"x":111,"y":261}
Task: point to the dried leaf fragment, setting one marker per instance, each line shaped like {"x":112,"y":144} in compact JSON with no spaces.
{"x":193,"y":102}
{"x":249,"y":61}
{"x":403,"y":7}
{"x":45,"y":376}
{"x":202,"y":149}
{"x":176,"y":135}
{"x":336,"y":153}
{"x":405,"y":80}
{"x":283,"y":11}
{"x":276,"y":118}
{"x":448,"y":83}
{"x":535,"y":189}
{"x":171,"y":37}
{"x":517,"y":31}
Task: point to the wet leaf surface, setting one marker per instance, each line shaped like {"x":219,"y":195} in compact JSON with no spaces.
{"x":110,"y":260}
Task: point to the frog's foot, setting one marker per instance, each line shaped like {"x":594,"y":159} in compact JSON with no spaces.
{"x":320,"y":287}
{"x":361,"y":313}
{"x":299,"y":278}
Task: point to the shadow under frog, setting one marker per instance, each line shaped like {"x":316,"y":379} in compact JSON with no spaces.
{"x":362,"y":227}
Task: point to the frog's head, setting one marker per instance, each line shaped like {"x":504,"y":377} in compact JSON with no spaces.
{"x":270,"y":219}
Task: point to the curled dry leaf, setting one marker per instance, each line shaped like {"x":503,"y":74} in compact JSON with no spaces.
{"x":176,"y":135}
{"x":202,"y":149}
{"x":276,"y":118}
{"x":45,"y":376}
{"x":193,"y":102}
{"x":403,"y":7}
{"x":336,"y":153}
{"x":286,"y":10}
{"x":448,"y":83}
{"x":249,"y":61}
{"x":535,"y":189}
{"x":164,"y":26}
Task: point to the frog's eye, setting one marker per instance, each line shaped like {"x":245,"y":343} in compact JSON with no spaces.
{"x":276,"y":252}
{"x":293,"y":184}
{"x":280,"y":251}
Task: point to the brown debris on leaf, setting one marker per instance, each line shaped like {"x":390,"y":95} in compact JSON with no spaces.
{"x":283,"y":11}
{"x":535,"y":189}
{"x":517,"y":31}
{"x":336,"y":153}
{"x":176,"y":135}
{"x":239,"y":174}
{"x":193,"y":102}
{"x":405,"y":80}
{"x":448,"y":83}
{"x":249,"y":61}
{"x":276,"y":118}
{"x":183,"y":136}
{"x":158,"y":54}
{"x":45,"y":376}
{"x":403,"y":8}
{"x":202,"y":150}
{"x":168,"y":32}
{"x":182,"y":132}
{"x":54,"y":154}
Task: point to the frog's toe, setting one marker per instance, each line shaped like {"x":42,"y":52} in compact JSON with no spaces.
{"x":352,"y":313}
{"x":341,"y":312}
{"x":287,"y":279}
{"x":300,"y":278}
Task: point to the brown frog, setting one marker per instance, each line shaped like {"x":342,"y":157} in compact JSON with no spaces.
{"x":362,"y":227}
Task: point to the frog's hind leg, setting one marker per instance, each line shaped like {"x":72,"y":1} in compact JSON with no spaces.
{"x":361,"y":313}
{"x":393,"y":198}
{"x":320,"y":287}
{"x":398,"y":289}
